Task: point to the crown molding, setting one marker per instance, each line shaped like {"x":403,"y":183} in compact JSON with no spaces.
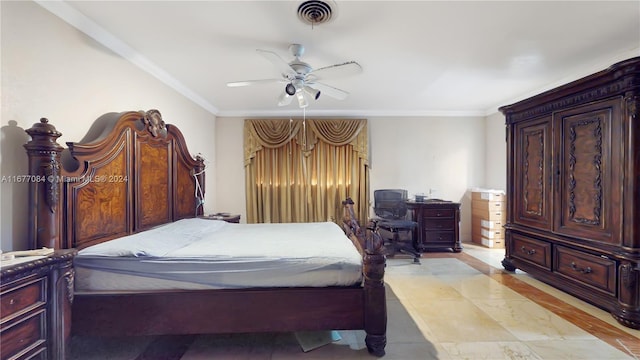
{"x":78,"y":20}
{"x":349,"y":113}
{"x":577,"y":73}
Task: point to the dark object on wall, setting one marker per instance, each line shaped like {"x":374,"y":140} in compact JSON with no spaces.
{"x":573,"y":189}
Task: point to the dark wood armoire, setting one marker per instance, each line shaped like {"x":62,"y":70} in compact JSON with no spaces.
{"x":573,"y":189}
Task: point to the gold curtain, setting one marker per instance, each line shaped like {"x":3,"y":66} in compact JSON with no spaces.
{"x":301,"y":171}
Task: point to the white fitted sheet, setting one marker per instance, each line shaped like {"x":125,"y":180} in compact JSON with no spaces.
{"x":202,"y":253}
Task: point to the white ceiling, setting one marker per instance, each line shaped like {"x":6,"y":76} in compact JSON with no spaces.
{"x":418,"y":57}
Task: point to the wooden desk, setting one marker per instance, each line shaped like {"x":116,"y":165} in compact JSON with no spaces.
{"x":438,"y":224}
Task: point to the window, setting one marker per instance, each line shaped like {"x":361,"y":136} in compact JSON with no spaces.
{"x":302,"y":170}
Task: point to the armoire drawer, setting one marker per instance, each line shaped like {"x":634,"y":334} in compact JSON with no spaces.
{"x":596,"y":271}
{"x":534,"y":251}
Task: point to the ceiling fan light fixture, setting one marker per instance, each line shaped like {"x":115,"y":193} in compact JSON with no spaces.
{"x":284,"y":99}
{"x":290,"y":89}
{"x":313,"y":92}
{"x":302,"y":101}
{"x":300,"y":79}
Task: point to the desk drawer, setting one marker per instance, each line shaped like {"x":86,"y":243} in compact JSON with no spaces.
{"x":586,"y":268}
{"x":439,"y":224}
{"x":443,"y":237}
{"x":22,"y":297}
{"x":438,"y":213}
{"x":24,"y":336}
{"x":531,"y":250}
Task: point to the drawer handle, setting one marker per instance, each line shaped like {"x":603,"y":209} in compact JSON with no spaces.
{"x":575,"y":267}
{"x":528,"y":252}
{"x":12,"y":301}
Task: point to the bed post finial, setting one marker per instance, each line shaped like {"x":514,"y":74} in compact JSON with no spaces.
{"x":44,"y":185}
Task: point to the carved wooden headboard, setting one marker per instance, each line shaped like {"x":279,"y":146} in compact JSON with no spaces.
{"x":131,"y":172}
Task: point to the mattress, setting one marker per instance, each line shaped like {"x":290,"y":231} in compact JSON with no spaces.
{"x":213,"y":254}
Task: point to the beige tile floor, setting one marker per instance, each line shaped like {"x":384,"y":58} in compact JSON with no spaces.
{"x":452,"y":306}
{"x":468,"y":314}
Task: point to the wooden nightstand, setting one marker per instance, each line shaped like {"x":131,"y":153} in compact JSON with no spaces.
{"x":230,"y":218}
{"x":35,"y":307}
{"x":438,"y":224}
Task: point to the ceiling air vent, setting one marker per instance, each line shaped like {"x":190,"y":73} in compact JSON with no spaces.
{"x":315,"y":12}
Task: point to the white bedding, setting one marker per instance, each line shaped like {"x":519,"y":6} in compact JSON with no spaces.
{"x":203,"y":253}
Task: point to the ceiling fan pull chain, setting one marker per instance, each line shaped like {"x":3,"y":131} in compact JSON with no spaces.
{"x":304,"y":128}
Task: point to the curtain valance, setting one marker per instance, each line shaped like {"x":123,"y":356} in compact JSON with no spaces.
{"x":274,"y":133}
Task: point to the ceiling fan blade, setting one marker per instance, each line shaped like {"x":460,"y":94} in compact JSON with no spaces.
{"x":283,"y":67}
{"x":284,"y":99}
{"x":254,"y":82}
{"x":329,"y":90}
{"x":302,"y":101}
{"x":338,"y":70}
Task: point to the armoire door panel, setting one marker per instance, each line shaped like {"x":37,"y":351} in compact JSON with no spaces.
{"x":532,"y":168}
{"x":588,"y":172}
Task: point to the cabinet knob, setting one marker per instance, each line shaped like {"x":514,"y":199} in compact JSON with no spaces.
{"x":528,"y":252}
{"x":575,"y":267}
{"x":12,"y":301}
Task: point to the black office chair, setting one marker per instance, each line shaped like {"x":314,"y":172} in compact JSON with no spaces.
{"x":391,"y":222}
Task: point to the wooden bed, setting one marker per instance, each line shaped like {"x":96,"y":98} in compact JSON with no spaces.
{"x":133,"y":172}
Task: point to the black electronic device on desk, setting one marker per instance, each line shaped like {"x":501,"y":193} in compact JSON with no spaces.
{"x":230,"y":218}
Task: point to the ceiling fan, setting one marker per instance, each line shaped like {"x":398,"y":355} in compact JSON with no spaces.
{"x":299,"y":78}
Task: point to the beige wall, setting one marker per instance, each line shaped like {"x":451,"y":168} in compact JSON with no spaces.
{"x":442,"y":154}
{"x":495,"y":156}
{"x":441,"y":157}
{"x":50,"y":69}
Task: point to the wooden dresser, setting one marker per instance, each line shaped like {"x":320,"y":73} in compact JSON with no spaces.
{"x":35,"y":307}
{"x":438,"y":225}
{"x":573,"y":189}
